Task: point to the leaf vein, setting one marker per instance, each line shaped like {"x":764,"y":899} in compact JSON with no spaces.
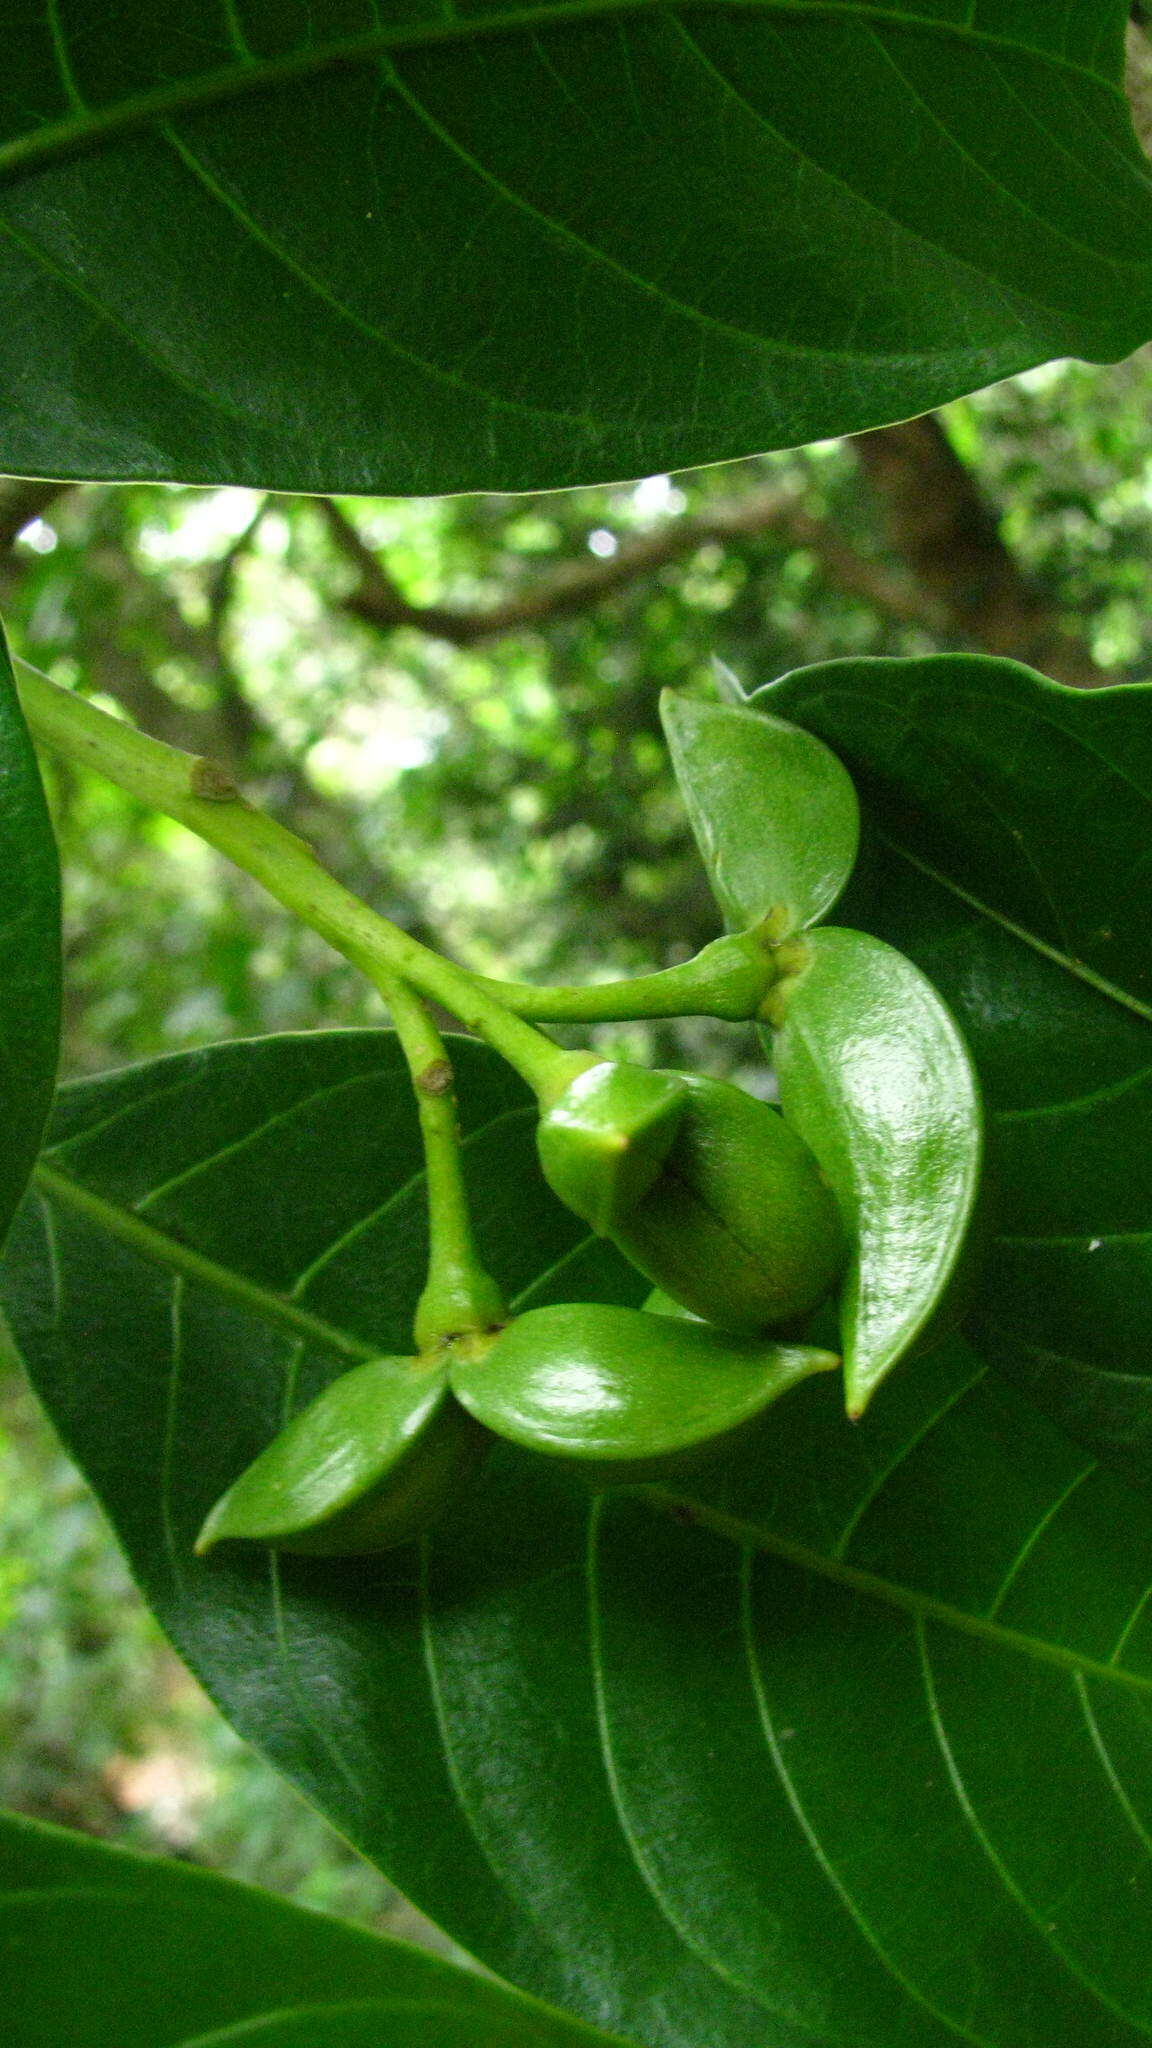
{"x":819,"y":1853}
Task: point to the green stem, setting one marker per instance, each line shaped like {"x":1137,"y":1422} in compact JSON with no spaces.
{"x":459,"y":1295}
{"x":732,"y":979}
{"x":203,"y":797}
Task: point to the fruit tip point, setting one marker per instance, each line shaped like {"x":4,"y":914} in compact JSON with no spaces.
{"x":210,"y":1532}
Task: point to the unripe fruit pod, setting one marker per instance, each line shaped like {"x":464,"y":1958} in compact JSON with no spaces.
{"x":624,"y":1395}
{"x":733,"y":1217}
{"x":740,"y":1226}
{"x":875,"y":1074}
{"x":603,"y":1142}
{"x":369,"y":1464}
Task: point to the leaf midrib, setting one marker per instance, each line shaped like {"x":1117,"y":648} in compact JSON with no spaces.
{"x":180,"y":1259}
{"x":921,"y":1606}
{"x":87,"y":129}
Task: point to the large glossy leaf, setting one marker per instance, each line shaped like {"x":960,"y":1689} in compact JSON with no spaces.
{"x":536,"y":242}
{"x":103,"y":1949}
{"x":1012,"y":827}
{"x":851,"y":1750}
{"x":29,"y":950}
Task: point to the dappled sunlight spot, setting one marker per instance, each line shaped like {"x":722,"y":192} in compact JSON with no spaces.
{"x":203,"y":526}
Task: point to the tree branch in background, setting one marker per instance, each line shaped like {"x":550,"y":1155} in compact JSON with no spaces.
{"x":943,"y":527}
{"x":229,"y":729}
{"x":960,"y":581}
{"x":234,"y":732}
{"x":576,"y":586}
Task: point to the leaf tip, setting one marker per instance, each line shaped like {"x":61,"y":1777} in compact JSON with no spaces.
{"x":210,"y":1531}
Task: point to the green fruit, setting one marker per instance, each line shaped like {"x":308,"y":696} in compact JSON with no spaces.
{"x":660,"y":1304}
{"x":367,"y":1465}
{"x":705,"y":1188}
{"x":603,"y":1142}
{"x":740,"y":1226}
{"x":875,"y":1075}
{"x":774,"y":812}
{"x":624,"y":1392}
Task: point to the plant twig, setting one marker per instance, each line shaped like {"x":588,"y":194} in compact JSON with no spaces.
{"x":202,"y":795}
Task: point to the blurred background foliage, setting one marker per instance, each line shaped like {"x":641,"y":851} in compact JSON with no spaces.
{"x":456,"y":703}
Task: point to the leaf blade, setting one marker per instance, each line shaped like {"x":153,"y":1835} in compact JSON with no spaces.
{"x":1013,"y":838}
{"x":557,"y":215}
{"x":155,"y":1954}
{"x":547,"y":1731}
{"x":30,"y":949}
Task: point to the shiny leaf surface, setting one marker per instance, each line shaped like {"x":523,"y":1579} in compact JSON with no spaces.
{"x":592,"y":1380}
{"x":877,"y":1080}
{"x":773,"y":812}
{"x":386,"y":249}
{"x":29,"y":950}
{"x":1013,"y":828}
{"x":751,"y":1763}
{"x":111,"y":1950}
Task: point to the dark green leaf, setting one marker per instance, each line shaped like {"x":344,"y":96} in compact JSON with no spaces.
{"x":757,"y":1766}
{"x":29,"y":950}
{"x":773,"y":812}
{"x":1013,"y":829}
{"x":393,"y":250}
{"x":103,"y":1949}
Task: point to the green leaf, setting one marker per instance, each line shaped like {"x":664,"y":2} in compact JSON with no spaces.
{"x":120,"y":1951}
{"x":756,"y":1763}
{"x":773,"y":812}
{"x":1011,"y":820}
{"x":877,"y":1080}
{"x":29,"y":950}
{"x":398,"y":250}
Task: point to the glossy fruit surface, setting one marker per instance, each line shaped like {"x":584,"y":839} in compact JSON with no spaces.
{"x":741,"y":1226}
{"x":612,"y":1385}
{"x":773,"y":811}
{"x":603,"y":1142}
{"x":367,"y":1465}
{"x":875,"y":1075}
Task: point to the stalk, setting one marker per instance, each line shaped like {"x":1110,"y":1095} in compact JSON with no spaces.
{"x":731,"y":979}
{"x":202,"y":796}
{"x":459,"y":1296}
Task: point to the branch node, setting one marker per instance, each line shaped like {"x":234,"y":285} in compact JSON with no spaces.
{"x":212,"y":782}
{"x":435,"y":1079}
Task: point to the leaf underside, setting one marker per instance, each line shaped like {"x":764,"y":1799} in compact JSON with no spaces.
{"x":1011,"y":844}
{"x":543,"y":244}
{"x":756,"y":1765}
